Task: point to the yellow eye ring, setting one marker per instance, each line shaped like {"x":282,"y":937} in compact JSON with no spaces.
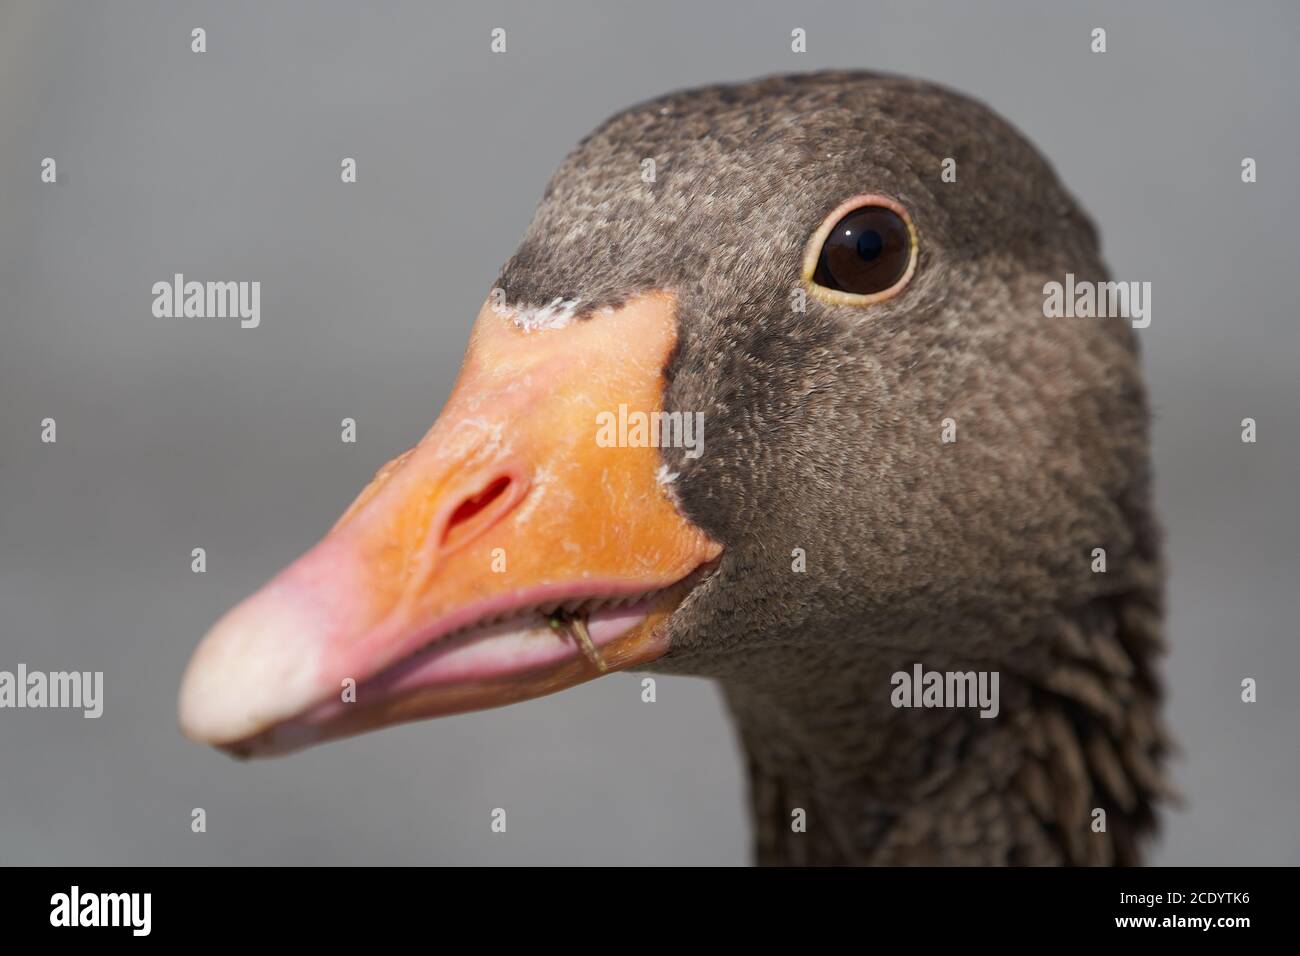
{"x":872,"y":240}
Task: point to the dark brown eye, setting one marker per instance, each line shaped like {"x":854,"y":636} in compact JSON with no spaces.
{"x":867,"y":252}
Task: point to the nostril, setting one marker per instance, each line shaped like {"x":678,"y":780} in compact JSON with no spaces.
{"x":478,"y":512}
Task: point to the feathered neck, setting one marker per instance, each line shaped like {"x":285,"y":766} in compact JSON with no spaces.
{"x":1067,"y":773}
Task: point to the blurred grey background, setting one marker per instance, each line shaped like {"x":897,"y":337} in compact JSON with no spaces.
{"x":175,"y":434}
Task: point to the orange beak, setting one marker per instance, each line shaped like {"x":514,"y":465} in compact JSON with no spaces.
{"x":431,"y":594}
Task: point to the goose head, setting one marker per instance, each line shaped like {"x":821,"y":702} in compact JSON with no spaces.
{"x":767,"y":394}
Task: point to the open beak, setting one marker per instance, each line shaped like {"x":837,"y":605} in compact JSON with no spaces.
{"x":461,"y":576}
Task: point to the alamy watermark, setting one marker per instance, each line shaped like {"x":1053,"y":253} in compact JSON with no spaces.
{"x":208,"y":300}
{"x":1102,"y":300}
{"x":77,"y":690}
{"x":75,"y":908}
{"x":923,"y":688}
{"x":626,"y":429}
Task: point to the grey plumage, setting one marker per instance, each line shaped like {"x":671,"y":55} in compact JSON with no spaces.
{"x":822,"y":432}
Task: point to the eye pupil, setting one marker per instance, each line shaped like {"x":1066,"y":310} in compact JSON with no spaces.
{"x":868,"y":251}
{"x":870,"y":244}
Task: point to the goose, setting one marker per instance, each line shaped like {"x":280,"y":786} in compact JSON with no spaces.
{"x":905,"y":468}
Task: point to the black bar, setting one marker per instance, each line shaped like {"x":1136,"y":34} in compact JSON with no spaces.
{"x":334,"y":905}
